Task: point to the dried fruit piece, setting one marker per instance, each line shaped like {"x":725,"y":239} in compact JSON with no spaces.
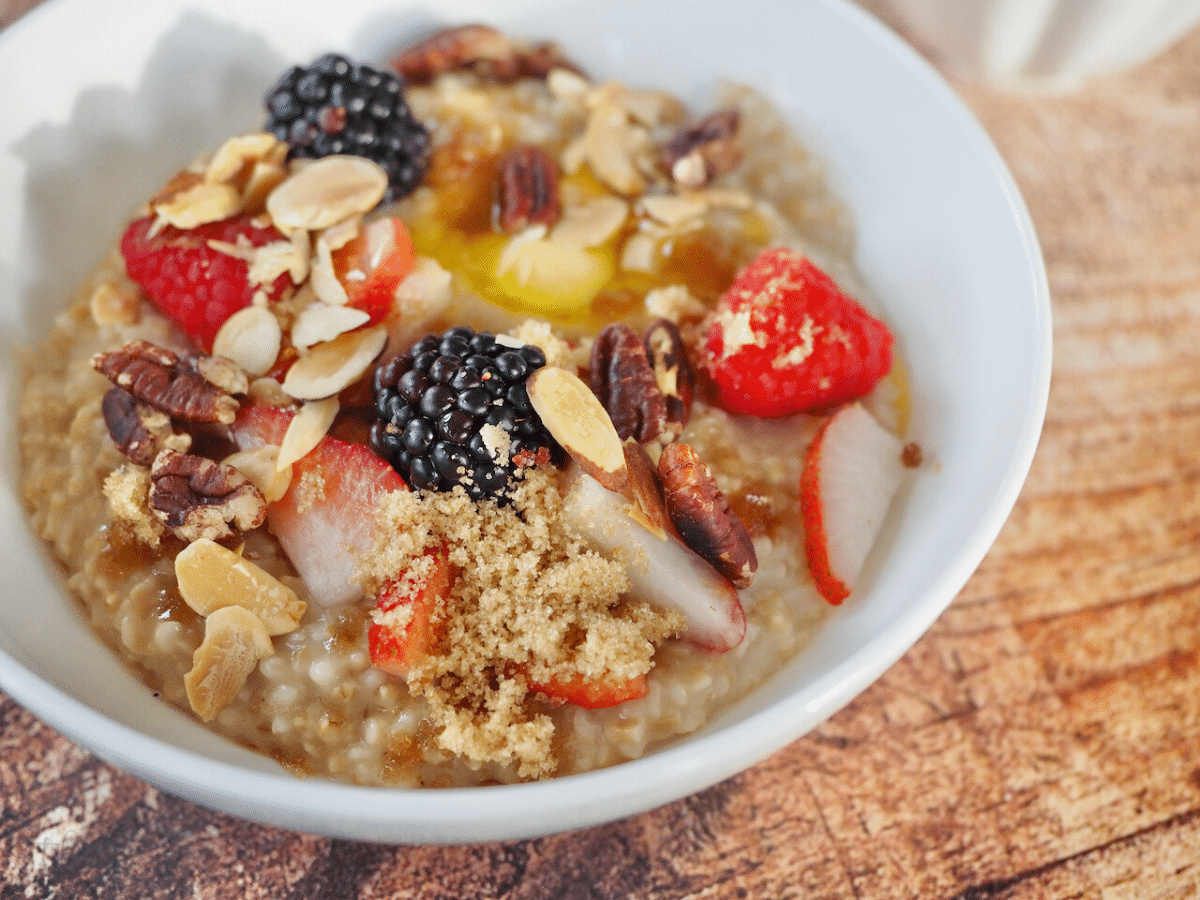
{"x":235,"y":640}
{"x":700,"y":513}
{"x":785,"y":339}
{"x":852,"y":471}
{"x":212,"y":577}
{"x":578,"y":421}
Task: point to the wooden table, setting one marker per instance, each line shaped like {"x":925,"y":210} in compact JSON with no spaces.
{"x":1042,"y":740}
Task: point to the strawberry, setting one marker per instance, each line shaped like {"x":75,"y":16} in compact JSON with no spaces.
{"x":409,"y":604}
{"x":194,"y":285}
{"x":785,"y":340}
{"x":327,"y":515}
{"x":852,"y":471}
{"x":592,"y":694}
{"x":372,"y":265}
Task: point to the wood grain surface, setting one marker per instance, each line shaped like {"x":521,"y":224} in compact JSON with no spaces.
{"x":1042,"y":740}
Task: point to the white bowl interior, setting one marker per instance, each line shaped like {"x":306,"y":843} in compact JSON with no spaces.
{"x":944,"y":242}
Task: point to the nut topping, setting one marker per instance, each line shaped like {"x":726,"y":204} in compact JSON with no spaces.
{"x":527,"y":189}
{"x":701,"y":152}
{"x":235,"y":640}
{"x":482,"y":49}
{"x":212,"y":577}
{"x":198,"y":498}
{"x":673,"y":373}
{"x":168,"y":382}
{"x":327,"y":192}
{"x":700,"y":513}
{"x":624,"y":381}
{"x":139,"y":431}
{"x":577,"y":420}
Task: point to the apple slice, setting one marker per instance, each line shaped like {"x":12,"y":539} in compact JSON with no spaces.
{"x":852,"y":471}
{"x":662,"y":569}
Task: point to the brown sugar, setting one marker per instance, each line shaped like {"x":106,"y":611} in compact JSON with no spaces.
{"x":533,"y":603}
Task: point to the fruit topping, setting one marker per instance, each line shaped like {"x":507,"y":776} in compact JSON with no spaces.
{"x":326,"y":518}
{"x":454,"y":410}
{"x":662,"y":570}
{"x":785,"y":339}
{"x":592,"y":693}
{"x":851,"y":473}
{"x":194,"y":284}
{"x":403,"y":629}
{"x":337,"y":107}
{"x":372,"y":266}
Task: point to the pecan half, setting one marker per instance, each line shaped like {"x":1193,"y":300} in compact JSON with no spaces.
{"x":198,"y":498}
{"x":622,"y":378}
{"x":176,"y":385}
{"x":139,"y":431}
{"x":699,"y":153}
{"x":482,"y":49}
{"x":527,"y":189}
{"x":700,"y":513}
{"x":673,"y":373}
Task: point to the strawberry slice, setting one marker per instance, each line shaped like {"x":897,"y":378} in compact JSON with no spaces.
{"x":852,"y":471}
{"x":590,"y":693}
{"x":404,"y":630}
{"x":327,"y":515}
{"x":194,"y":285}
{"x":785,"y":339}
{"x":372,"y":265}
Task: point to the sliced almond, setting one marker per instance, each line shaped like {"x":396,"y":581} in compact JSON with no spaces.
{"x":198,"y":205}
{"x":111,"y":305}
{"x":235,"y":639}
{"x":319,"y":322}
{"x":612,"y":142}
{"x":237,"y":154}
{"x":592,"y":223}
{"x":323,"y":279}
{"x":639,"y":253}
{"x":576,"y":419}
{"x":271,"y":260}
{"x":310,"y":423}
{"x":251,"y":337}
{"x":327,"y":192}
{"x":673,"y":211}
{"x":212,"y":577}
{"x":329,"y":367}
{"x":261,"y":466}
{"x":264,"y":178}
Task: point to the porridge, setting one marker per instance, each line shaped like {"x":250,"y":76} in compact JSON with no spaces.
{"x":474,"y":422}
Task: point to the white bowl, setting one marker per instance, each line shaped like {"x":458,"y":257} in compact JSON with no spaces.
{"x":944,"y":241}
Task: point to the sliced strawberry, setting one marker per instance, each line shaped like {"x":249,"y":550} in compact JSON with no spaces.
{"x":195,"y":285}
{"x":372,"y":265}
{"x":786,"y":340}
{"x":592,"y":693}
{"x":327,"y":516}
{"x":852,"y":471}
{"x":404,"y":630}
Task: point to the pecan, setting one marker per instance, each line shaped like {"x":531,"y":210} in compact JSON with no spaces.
{"x":139,"y":431}
{"x":481,"y":49}
{"x":527,"y":189}
{"x":700,"y":513}
{"x":198,"y":498}
{"x":173,"y":384}
{"x":699,"y":153}
{"x":673,"y":373}
{"x":624,"y":381}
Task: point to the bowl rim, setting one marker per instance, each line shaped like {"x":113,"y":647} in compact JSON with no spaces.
{"x":455,"y":815}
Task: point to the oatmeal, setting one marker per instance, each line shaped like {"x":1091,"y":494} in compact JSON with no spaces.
{"x":488,"y":426}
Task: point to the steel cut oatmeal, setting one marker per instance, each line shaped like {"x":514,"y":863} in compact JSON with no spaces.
{"x":473,"y":422}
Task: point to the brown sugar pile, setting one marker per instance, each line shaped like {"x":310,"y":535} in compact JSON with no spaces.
{"x":531,"y":603}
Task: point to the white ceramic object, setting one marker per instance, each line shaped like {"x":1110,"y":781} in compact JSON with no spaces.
{"x":1050,"y":45}
{"x":944,"y":241}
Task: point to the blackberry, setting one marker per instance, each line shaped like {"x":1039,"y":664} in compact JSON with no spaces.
{"x":336,"y":106}
{"x":433,"y":401}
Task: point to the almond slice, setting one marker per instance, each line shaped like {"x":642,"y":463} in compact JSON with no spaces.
{"x":261,"y":466}
{"x":235,"y":639}
{"x":327,"y":192}
{"x":251,"y":337}
{"x":329,"y":367}
{"x":321,"y":322}
{"x":308,"y":426}
{"x":576,"y":419}
{"x":212,"y":577}
{"x":200,"y":204}
{"x":592,"y":223}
